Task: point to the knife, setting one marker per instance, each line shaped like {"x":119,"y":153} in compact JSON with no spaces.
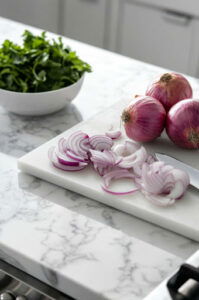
{"x":192,"y":172}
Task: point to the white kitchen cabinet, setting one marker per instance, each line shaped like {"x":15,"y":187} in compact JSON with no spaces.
{"x":156,"y":35}
{"x":86,"y":20}
{"x":39,"y":13}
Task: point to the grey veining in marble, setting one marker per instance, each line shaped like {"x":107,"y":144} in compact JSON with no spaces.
{"x":63,"y":244}
{"x":79,"y":256}
{"x":114,"y":78}
{"x":161,"y":292}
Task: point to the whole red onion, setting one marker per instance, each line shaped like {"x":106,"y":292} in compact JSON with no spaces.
{"x":169,"y":89}
{"x":182,"y":124}
{"x":144,"y":119}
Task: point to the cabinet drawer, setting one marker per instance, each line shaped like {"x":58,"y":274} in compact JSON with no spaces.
{"x":40,"y":13}
{"x":156,"y":36}
{"x":84,"y":20}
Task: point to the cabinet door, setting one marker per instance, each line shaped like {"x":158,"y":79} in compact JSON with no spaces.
{"x":156,"y":36}
{"x":40,"y":13}
{"x":84,"y":20}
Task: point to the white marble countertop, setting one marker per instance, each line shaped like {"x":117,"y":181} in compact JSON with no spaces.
{"x":114,"y":78}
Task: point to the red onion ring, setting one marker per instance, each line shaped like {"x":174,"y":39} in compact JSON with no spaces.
{"x":78,"y":143}
{"x":100,"y":142}
{"x":54,"y":159}
{"x":117,"y":174}
{"x":103,"y":161}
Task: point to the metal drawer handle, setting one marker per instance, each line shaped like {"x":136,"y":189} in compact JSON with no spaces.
{"x":177,"y":18}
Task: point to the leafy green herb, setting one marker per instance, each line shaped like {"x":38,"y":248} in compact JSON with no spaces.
{"x":39,"y":65}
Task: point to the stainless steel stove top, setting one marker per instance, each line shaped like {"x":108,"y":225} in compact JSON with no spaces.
{"x":18,"y":285}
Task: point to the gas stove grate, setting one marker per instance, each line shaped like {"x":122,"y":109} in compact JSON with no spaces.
{"x":15,"y":284}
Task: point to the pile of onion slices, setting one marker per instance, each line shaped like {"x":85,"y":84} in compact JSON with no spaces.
{"x":161,"y":184}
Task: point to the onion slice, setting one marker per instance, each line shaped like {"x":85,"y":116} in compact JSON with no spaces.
{"x":56,"y":163}
{"x":133,"y":156}
{"x":100,"y":142}
{"x":114,"y":134}
{"x":117,"y":174}
{"x":78,"y":143}
{"x":103,"y":161}
{"x":162,"y":184}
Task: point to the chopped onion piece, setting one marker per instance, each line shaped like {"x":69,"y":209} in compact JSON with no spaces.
{"x":133,"y":156}
{"x":127,"y":148}
{"x":114,"y":134}
{"x":78,"y":143}
{"x":76,"y":157}
{"x":100,"y":142}
{"x":119,"y":193}
{"x":117,"y":174}
{"x":54,"y":159}
{"x":162,"y":184}
{"x":104,"y":161}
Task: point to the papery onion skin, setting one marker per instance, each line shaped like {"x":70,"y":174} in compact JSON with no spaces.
{"x":169,"y":89}
{"x":182,"y":125}
{"x":144,"y":119}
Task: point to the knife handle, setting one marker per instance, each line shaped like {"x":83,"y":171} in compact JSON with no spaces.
{"x":174,"y":284}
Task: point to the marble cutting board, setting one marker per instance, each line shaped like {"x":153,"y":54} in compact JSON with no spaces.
{"x":181,"y":218}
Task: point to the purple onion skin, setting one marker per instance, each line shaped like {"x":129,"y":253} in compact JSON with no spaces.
{"x":144,"y":119}
{"x":182,"y":124}
{"x":169,"y":89}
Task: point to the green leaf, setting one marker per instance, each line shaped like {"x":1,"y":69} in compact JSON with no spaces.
{"x":39,"y":64}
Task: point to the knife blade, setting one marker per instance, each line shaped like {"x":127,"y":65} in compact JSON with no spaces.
{"x":192,"y":172}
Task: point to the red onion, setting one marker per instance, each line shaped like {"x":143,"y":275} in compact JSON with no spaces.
{"x":100,"y":142}
{"x":182,"y":124}
{"x":144,"y":119}
{"x":169,"y":89}
{"x":162,"y":184}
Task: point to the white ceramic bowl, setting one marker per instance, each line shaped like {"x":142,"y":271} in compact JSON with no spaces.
{"x":36,"y":104}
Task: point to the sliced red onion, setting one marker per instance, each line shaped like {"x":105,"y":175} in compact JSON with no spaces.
{"x":150,"y":159}
{"x":119,"y":193}
{"x":75,"y":156}
{"x":64,"y":159}
{"x":133,"y":156}
{"x":78,"y":143}
{"x":114,"y":134}
{"x":127,"y":148}
{"x":104,"y":161}
{"x":100,"y":142}
{"x":117,"y":174}
{"x":62,"y":145}
{"x":162,"y":184}
{"x":54,"y":159}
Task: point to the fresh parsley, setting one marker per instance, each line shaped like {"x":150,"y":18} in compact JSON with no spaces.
{"x":39,"y":65}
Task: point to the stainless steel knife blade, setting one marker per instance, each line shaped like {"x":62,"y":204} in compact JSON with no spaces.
{"x":192,"y":172}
